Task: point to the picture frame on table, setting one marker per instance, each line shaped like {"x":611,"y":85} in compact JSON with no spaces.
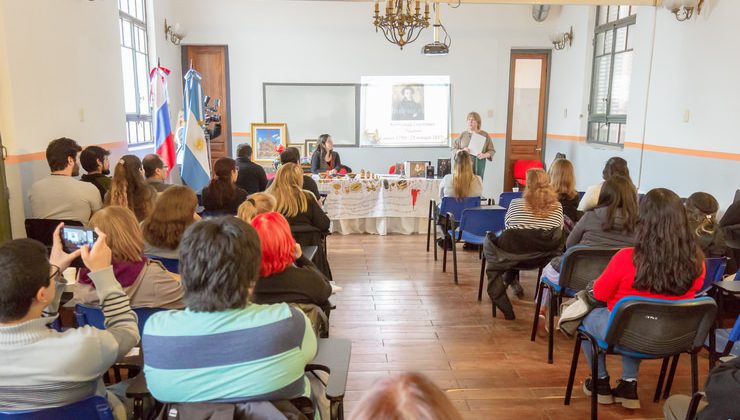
{"x":416,"y":168}
{"x":310,"y":146}
{"x":266,"y":138}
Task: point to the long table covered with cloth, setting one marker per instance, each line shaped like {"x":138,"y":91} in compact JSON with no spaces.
{"x":379,"y":206}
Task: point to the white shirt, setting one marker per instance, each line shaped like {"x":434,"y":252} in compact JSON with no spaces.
{"x":64,"y":198}
{"x":447,"y":189}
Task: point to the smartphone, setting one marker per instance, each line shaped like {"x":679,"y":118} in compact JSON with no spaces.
{"x":74,"y":237}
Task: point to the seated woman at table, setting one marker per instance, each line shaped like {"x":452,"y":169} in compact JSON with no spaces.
{"x":145,"y":281}
{"x":325,"y":159}
{"x":285,"y":274}
{"x":255,"y":204}
{"x":173,"y":212}
{"x":308,"y":222}
{"x":222,"y":196}
{"x":462,"y":182}
{"x":666,"y":263}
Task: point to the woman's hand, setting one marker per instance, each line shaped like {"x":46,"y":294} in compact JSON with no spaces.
{"x":482,"y":156}
{"x":58,"y":257}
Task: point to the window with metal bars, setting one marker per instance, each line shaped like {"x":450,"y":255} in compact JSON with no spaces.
{"x":612,"y":74}
{"x":132,"y":19}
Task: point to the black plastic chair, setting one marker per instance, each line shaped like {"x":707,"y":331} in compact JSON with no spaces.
{"x":723,"y":342}
{"x":579,"y":266}
{"x":473,"y":227}
{"x":42,"y":230}
{"x":646,"y":328}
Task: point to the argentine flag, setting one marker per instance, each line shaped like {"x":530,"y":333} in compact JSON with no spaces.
{"x":196,"y":164}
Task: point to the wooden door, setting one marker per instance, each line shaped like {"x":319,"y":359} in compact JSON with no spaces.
{"x":525,"y":129}
{"x":212,"y":62}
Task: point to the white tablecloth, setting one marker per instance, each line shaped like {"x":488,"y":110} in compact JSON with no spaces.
{"x":379,"y":206}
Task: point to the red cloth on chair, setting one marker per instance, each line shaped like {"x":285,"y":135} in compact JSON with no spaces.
{"x":521,"y":167}
{"x":392,"y":170}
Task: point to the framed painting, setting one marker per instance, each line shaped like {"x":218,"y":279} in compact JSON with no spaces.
{"x":266,"y":138}
{"x":310,"y":146}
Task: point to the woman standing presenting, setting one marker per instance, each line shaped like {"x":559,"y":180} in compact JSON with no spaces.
{"x":462,"y":143}
{"x":325,"y":158}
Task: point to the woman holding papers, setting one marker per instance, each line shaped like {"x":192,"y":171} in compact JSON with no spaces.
{"x":476,"y":142}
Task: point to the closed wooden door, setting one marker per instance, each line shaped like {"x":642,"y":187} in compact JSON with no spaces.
{"x":212,"y":62}
{"x":525,"y":131}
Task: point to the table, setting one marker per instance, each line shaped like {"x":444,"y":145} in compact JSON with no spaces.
{"x":379,"y":206}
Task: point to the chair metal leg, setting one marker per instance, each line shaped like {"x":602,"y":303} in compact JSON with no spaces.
{"x":480,"y":283}
{"x":444,"y":254}
{"x":694,"y":373}
{"x":573,"y":367}
{"x":454,"y":259}
{"x":671,"y":374}
{"x":594,"y":377}
{"x":551,"y":324}
{"x":712,"y":346}
{"x":661,"y":378}
{"x":429,"y":225}
{"x":536,"y":320}
{"x":435,"y":240}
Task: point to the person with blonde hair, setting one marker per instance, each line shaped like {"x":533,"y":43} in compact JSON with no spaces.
{"x":308,"y":222}
{"x":145,"y":281}
{"x":538,"y":208}
{"x":173,"y":212}
{"x":255,"y":204}
{"x":406,"y":396}
{"x":463,"y":141}
{"x":563,"y":180}
{"x":129,"y":188}
{"x":462,"y":182}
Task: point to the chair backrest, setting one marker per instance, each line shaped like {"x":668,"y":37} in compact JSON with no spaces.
{"x":456,"y":206}
{"x":658,"y":327}
{"x":715,"y":270}
{"x":581,"y":194}
{"x":94,"y":407}
{"x":581,"y":265}
{"x":478,"y":221}
{"x":735,"y":332}
{"x":93,"y":316}
{"x":521,"y":167}
{"x":505,"y":198}
{"x":42,"y":230}
{"x":171,"y":264}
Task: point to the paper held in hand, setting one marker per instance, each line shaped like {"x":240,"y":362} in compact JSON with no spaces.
{"x":477,"y":144}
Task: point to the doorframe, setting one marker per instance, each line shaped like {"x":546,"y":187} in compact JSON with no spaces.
{"x":510,"y":95}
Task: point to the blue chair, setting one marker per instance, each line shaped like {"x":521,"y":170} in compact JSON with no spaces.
{"x":581,"y":194}
{"x":447,"y":205}
{"x":93,"y":316}
{"x":715,"y":271}
{"x":723,"y":342}
{"x":474,"y":224}
{"x":579,"y":266}
{"x":171,"y":264}
{"x":647,"y":328}
{"x":505,"y":198}
{"x":94,"y":407}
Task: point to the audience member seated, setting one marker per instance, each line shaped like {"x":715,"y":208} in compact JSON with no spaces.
{"x":251,"y":177}
{"x":255,"y":204}
{"x":563,"y":180}
{"x":43,"y":368}
{"x":222,"y":347}
{"x":405,"y":396}
{"x":731,"y":216}
{"x":221,"y":196}
{"x":94,"y":161}
{"x":285,"y":274}
{"x":462,"y":182}
{"x":666,"y":263}
{"x":308,"y":222}
{"x":173,"y":212}
{"x":325,"y":159}
{"x":155,"y":172}
{"x":145,"y":281}
{"x":702,"y":210}
{"x":720,"y":396}
{"x":533,"y":231}
{"x":130,"y":189}
{"x":729,"y":219}
{"x":613,"y":166}
{"x":293,"y":155}
{"x":60,"y":196}
{"x":610,"y":224}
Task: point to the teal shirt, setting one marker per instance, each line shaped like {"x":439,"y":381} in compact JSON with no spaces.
{"x":257,"y":353}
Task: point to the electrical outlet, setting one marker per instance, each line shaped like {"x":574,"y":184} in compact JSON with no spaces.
{"x":82,"y":115}
{"x":686,"y":115}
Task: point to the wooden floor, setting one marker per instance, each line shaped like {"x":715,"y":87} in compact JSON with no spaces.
{"x":402,"y":313}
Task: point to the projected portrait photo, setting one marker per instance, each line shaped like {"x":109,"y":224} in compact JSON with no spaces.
{"x":408,"y":102}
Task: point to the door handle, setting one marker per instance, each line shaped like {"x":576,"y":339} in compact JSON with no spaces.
{"x":538,"y":149}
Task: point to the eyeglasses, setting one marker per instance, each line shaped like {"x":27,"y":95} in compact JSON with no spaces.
{"x":55,"y":272}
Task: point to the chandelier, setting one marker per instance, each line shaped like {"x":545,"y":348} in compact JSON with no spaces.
{"x":403,"y":21}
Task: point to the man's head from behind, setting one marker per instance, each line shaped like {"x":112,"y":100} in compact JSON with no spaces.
{"x":24,"y":278}
{"x":154,"y":167}
{"x":61,"y":155}
{"x":94,"y":159}
{"x":244,"y":151}
{"x":290,"y":155}
{"x":219,"y":261}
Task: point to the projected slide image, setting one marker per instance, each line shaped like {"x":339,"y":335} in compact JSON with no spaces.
{"x":408,"y":102}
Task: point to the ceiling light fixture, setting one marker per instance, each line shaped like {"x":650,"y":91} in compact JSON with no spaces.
{"x":402,"y":22}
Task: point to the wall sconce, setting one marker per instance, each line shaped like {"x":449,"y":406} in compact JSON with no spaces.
{"x":176,"y":35}
{"x":683,"y":9}
{"x":560,"y":39}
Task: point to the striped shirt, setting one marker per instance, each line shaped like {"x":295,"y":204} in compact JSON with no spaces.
{"x":519,"y":217}
{"x":257,"y":353}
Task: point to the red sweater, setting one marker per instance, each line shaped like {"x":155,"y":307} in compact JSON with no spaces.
{"x":619,"y":275}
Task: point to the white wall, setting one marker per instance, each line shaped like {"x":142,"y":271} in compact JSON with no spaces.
{"x":335,"y":42}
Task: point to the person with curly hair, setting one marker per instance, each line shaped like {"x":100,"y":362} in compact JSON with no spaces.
{"x":173,"y":212}
{"x":129,"y":188}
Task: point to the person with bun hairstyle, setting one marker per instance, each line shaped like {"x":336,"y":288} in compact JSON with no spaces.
{"x":255,"y":204}
{"x":702,"y":210}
